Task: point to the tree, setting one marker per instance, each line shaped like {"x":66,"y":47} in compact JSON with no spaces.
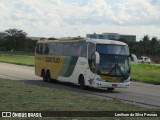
{"x":145,"y":43}
{"x":154,"y":42}
{"x":2,"y":41}
{"x":2,"y":35}
{"x":30,"y":45}
{"x":15,"y":39}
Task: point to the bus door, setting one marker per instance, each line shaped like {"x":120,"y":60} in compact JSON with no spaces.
{"x":91,"y":61}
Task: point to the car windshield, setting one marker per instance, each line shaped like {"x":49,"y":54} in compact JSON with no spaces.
{"x":140,"y":58}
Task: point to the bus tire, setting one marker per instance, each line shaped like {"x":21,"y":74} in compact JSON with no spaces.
{"x":48,"y":77}
{"x":43,"y":74}
{"x":82,"y":82}
{"x":110,"y":89}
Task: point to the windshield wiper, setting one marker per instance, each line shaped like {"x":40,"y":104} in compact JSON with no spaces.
{"x":115,"y":68}
{"x":120,"y":69}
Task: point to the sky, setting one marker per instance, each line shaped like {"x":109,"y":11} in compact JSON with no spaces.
{"x":61,"y":18}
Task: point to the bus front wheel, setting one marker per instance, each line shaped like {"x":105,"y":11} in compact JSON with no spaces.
{"x":82,"y":82}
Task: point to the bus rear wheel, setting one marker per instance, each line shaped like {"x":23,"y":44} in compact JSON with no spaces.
{"x":48,"y":77}
{"x":82,"y":82}
{"x":44,"y":76}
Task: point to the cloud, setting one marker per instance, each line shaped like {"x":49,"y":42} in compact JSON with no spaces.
{"x":137,"y":13}
{"x":156,"y":2}
{"x":62,"y":18}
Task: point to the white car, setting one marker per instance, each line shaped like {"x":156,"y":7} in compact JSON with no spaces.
{"x":144,"y":59}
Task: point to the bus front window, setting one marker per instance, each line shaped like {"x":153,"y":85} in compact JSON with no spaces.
{"x":112,"y":61}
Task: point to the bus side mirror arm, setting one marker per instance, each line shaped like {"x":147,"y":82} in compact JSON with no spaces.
{"x":97,"y":57}
{"x":134,"y":58}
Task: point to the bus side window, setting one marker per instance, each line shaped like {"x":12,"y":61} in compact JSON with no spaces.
{"x":41,"y":49}
{"x":83,"y":50}
{"x":37,"y":48}
{"x":52,"y":48}
{"x":59,"y":50}
{"x":67,"y":48}
{"x":93,"y":63}
{"x":76,"y":50}
{"x":70,"y":49}
{"x":46,"y":49}
{"x":91,"y":50}
{"x":91,"y":56}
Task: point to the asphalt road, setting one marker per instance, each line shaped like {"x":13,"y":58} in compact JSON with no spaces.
{"x":137,"y":93}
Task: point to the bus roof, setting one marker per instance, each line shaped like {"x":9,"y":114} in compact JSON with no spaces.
{"x":105,"y":41}
{"x":95,"y":41}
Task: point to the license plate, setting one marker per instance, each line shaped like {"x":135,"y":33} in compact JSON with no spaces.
{"x":114,"y":85}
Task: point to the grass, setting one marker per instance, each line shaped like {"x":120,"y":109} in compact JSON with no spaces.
{"x":18,"y":53}
{"x":18,"y":59}
{"x":19,"y":96}
{"x":146,"y":73}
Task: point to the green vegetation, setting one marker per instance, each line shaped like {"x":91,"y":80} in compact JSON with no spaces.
{"x":146,"y":73}
{"x":18,"y":59}
{"x":146,"y":47}
{"x":19,"y":96}
{"x":18,"y":53}
{"x":14,"y":39}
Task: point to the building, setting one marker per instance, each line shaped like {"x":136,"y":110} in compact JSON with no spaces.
{"x":128,"y":38}
{"x":113,"y":36}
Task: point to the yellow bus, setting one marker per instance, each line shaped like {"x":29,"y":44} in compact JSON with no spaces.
{"x":89,"y":62}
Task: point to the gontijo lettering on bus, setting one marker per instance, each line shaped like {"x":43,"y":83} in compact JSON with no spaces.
{"x":53,"y":59}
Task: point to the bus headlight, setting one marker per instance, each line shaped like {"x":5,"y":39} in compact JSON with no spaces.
{"x":128,"y":80}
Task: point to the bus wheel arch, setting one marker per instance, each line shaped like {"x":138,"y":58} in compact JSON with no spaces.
{"x":48,"y":76}
{"x":81,"y":81}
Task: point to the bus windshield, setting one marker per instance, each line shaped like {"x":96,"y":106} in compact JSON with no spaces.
{"x":114,"y":60}
{"x":112,"y":49}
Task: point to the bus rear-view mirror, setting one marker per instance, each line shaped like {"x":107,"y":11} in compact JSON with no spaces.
{"x":97,"y":57}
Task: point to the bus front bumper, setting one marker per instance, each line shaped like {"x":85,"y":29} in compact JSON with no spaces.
{"x":101,"y":84}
